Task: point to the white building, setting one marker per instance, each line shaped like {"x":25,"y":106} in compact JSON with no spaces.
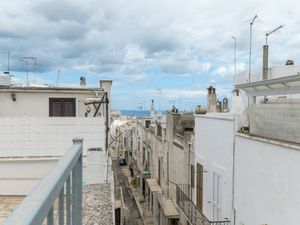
{"x":214,"y":146}
{"x":37,"y":125}
{"x":249,"y":176}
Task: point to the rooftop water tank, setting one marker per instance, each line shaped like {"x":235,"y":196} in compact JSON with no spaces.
{"x":5,"y":79}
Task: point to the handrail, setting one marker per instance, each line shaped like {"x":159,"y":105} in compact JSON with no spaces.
{"x":39,"y":203}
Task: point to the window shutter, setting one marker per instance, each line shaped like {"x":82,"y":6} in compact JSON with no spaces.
{"x":62,"y":107}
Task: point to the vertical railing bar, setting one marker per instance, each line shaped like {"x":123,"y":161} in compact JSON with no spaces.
{"x":61,"y":208}
{"x":73,"y":196}
{"x":80,"y":182}
{"x":68,"y":201}
{"x":50,"y":220}
{"x":77,"y":189}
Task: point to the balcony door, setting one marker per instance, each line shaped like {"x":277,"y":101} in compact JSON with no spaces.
{"x":199,"y":202}
{"x":217,"y":206}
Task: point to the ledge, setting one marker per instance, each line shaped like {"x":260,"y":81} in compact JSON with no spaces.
{"x":270,"y":141}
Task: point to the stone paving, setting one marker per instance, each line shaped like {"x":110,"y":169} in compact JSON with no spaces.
{"x":97,"y":205}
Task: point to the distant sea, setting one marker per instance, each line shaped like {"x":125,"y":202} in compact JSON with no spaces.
{"x":137,"y":113}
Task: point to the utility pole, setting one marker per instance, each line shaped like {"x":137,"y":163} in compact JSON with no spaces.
{"x":234,"y":38}
{"x":250,"y":46}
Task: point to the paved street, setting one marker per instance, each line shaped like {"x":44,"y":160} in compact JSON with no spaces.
{"x":132,"y":216}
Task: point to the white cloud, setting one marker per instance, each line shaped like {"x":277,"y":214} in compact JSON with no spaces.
{"x":129,"y":39}
{"x":177,"y":37}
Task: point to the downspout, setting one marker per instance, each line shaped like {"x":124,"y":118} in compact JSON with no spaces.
{"x":189,"y":170}
{"x":233,"y":173}
{"x":106,"y":138}
{"x":107,"y":128}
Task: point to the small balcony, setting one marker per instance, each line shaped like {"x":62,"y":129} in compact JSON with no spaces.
{"x":193,"y":214}
{"x":167,"y":204}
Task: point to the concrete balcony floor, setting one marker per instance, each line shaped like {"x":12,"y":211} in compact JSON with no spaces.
{"x":7,"y":205}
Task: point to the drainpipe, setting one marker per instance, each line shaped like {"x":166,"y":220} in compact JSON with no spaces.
{"x":233,"y":174}
{"x":106,"y":131}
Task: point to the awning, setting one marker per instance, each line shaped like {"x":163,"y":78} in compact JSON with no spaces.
{"x":146,"y":173}
{"x":153,"y":185}
{"x":276,"y":86}
{"x":169,"y":209}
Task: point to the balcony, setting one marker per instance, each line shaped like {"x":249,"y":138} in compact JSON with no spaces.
{"x":39,"y":204}
{"x":166,"y":203}
{"x":193,"y":214}
{"x":60,"y":198}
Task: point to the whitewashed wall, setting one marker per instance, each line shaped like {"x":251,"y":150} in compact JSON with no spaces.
{"x":267,"y":182}
{"x":36,"y":104}
{"x":18,"y":176}
{"x":269,"y":120}
{"x":214,"y":138}
{"x":51,"y":136}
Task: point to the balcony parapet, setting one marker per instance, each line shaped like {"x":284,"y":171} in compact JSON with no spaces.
{"x":191,"y":211}
{"x":64,"y":182}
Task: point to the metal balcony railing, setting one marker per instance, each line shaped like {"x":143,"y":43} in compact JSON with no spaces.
{"x":63,"y":181}
{"x":194,"y":215}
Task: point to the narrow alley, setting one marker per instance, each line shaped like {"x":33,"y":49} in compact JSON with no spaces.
{"x":132,"y":216}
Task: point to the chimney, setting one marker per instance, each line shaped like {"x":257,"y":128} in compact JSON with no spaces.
{"x":82,"y":82}
{"x":152,"y":112}
{"x":211,"y":99}
{"x":289,"y":62}
{"x":265,"y":62}
{"x":225,"y":105}
{"x":219,"y":106}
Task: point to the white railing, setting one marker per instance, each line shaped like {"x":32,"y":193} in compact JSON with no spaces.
{"x":64,"y":181}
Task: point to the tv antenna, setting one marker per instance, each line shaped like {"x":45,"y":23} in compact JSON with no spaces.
{"x":140,"y":105}
{"x":26,"y":61}
{"x":271,"y":32}
{"x":250,"y":46}
{"x":58,"y":74}
{"x":159,"y":100}
{"x":173,"y":102}
{"x":234,"y":39}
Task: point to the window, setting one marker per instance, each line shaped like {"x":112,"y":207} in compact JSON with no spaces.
{"x":64,"y":107}
{"x":147,"y":124}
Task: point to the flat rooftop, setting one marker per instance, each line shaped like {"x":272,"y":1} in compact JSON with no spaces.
{"x":46,"y":88}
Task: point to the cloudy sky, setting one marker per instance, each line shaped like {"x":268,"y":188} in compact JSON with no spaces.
{"x":180,"y":47}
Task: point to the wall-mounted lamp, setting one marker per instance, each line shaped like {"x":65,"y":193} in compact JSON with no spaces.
{"x":13,"y":97}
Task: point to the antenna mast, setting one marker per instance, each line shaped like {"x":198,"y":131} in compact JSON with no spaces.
{"x":250,"y":51}
{"x":26,"y":60}
{"x":271,"y":32}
